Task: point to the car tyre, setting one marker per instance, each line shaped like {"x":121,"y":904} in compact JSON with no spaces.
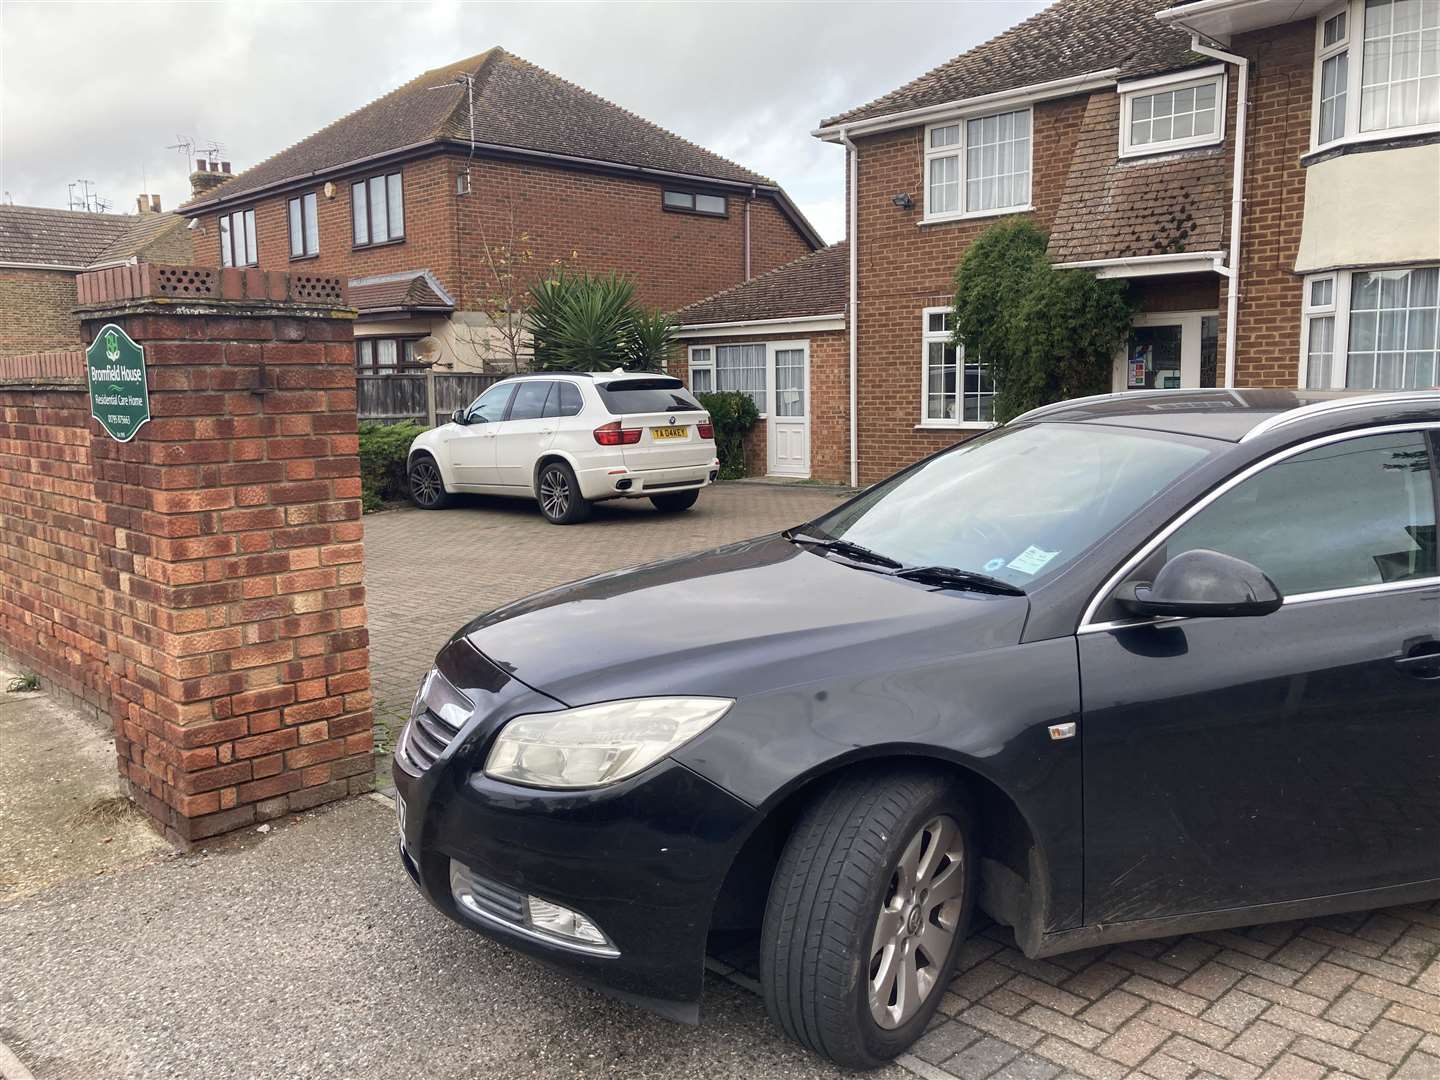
{"x":675,"y":503}
{"x":558,"y":494}
{"x":869,"y":904}
{"x":427,"y":486}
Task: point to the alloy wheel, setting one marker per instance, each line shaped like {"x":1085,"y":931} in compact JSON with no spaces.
{"x":426,"y":487}
{"x":916,"y":928}
{"x":554,"y":493}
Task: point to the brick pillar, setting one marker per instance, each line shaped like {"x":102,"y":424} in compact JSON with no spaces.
{"x":238,"y":648}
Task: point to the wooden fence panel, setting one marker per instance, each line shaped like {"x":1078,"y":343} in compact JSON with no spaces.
{"x":423,"y":397}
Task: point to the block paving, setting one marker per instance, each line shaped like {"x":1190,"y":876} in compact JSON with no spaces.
{"x":1349,"y":996}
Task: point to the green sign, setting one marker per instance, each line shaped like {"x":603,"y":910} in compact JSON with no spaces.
{"x":119,"y":398}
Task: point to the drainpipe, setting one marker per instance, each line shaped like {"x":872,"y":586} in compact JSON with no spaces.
{"x":852,"y":309}
{"x":1237,"y":204}
{"x":749,"y":199}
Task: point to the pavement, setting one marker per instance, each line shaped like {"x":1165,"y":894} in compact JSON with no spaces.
{"x":305,"y":951}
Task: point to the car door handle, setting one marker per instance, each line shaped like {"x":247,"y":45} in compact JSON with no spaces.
{"x":1421,"y":664}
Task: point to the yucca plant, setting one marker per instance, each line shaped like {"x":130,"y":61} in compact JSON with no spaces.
{"x":585,"y":322}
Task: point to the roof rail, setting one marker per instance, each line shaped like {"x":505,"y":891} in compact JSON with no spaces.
{"x":524,"y":374}
{"x":1305,"y":412}
{"x":1058,"y":406}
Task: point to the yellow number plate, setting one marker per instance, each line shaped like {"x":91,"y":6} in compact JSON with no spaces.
{"x":661,"y":433}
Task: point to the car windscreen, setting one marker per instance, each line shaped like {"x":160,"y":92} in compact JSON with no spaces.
{"x":623,"y":397}
{"x":1017,"y":504}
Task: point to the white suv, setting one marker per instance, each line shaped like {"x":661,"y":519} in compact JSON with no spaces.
{"x":568,"y":440}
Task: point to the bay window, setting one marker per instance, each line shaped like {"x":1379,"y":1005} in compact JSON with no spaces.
{"x":978,"y":166}
{"x":1372,"y":329}
{"x":1377,"y":69}
{"x":237,"y":239}
{"x":956,"y":392}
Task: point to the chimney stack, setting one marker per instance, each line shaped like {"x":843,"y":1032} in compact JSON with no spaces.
{"x":155,"y":204}
{"x":208,"y":176}
{"x":147,"y":204}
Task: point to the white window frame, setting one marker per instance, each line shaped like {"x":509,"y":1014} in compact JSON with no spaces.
{"x":927,"y":337}
{"x":706,"y":365}
{"x":237,"y":232}
{"x":1340,"y":310}
{"x":958,"y":151}
{"x":1163,"y":84}
{"x":1354,"y":44}
{"x":307,"y":208}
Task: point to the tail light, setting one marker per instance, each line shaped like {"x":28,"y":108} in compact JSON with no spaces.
{"x":612,"y":434}
{"x":706,"y":429}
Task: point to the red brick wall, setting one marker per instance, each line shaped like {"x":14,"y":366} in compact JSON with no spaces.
{"x":36,"y":311}
{"x":904,"y":268}
{"x":829,"y":402}
{"x":1268,"y":346}
{"x":52,"y":536}
{"x":587,"y":220}
{"x":202,"y":583}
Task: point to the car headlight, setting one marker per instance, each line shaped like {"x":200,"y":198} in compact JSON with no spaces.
{"x":596,"y":745}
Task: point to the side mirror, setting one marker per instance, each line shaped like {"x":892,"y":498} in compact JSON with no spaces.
{"x":1204,"y":583}
{"x":458,"y":417}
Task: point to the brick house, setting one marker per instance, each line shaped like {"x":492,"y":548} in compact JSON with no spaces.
{"x":779,"y":337}
{"x":1114,"y":124}
{"x":41,"y":251}
{"x":426,"y":198}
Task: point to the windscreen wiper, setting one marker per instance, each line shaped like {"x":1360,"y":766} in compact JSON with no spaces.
{"x":949,"y":577}
{"x":842,"y":547}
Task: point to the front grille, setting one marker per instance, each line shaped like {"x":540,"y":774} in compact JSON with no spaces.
{"x":440,"y":712}
{"x":489,"y":897}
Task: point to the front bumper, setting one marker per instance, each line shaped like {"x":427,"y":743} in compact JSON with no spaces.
{"x":643,"y":859}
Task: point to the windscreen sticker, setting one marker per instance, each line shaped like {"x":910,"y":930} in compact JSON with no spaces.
{"x":994,"y":564}
{"x":1032,"y":560}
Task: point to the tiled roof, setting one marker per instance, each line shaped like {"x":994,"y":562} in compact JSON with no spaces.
{"x":403,"y":291}
{"x":517,"y":105}
{"x":1115,"y":209}
{"x":814,"y":284}
{"x":38,"y":236}
{"x":1068,"y":38}
{"x":143,"y":231}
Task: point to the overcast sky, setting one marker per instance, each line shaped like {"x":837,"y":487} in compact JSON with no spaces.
{"x":99,"y":90}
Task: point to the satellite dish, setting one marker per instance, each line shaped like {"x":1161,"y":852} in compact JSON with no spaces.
{"x":329,"y":190}
{"x":427,"y":350}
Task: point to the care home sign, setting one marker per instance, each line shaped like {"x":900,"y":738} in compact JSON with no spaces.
{"x":119,"y":398}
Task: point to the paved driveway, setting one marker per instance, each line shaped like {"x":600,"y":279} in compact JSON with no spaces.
{"x":428,"y":573}
{"x":1353,"y":996}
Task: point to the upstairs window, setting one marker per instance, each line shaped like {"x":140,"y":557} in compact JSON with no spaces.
{"x":377,"y":206}
{"x":694,"y":202}
{"x":1171,"y":113}
{"x":304,"y":227}
{"x":237,"y":239}
{"x":978,"y":166}
{"x":1377,"y":70}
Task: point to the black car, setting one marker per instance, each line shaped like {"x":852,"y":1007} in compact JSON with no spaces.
{"x":1125,"y":667}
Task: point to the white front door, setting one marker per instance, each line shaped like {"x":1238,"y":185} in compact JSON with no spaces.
{"x":788,"y":426}
{"x":1167,"y":351}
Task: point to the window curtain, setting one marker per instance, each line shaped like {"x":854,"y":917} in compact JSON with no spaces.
{"x":742,"y":367}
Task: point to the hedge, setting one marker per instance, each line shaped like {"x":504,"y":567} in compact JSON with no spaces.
{"x":384,"y":449}
{"x":733,"y":414}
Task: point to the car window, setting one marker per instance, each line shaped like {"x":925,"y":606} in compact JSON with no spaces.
{"x":1352,"y":513}
{"x":490,"y":406}
{"x":564,"y":400}
{"x":1018,"y":504}
{"x":530,"y":400}
{"x":627,"y":396}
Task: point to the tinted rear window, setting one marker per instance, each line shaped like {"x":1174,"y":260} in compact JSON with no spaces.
{"x":627,"y":396}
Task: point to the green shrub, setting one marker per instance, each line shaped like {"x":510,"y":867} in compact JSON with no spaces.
{"x":1045,"y":334}
{"x":383,"y":452}
{"x":590,"y":322}
{"x":733,"y":414}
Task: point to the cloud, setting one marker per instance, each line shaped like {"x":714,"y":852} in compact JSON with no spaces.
{"x":99,"y":91}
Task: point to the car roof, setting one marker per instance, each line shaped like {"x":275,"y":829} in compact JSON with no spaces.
{"x":1234,"y":415}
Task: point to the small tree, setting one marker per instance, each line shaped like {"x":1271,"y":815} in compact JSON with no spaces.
{"x":584,"y":322}
{"x":1045,"y":334}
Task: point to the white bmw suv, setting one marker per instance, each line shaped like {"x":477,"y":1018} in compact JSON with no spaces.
{"x":568,"y":440}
